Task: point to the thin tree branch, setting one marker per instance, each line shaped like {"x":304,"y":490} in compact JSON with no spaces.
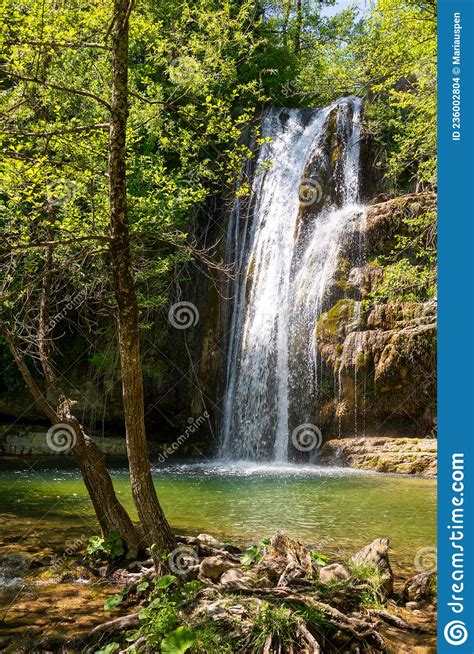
{"x":57,"y":44}
{"x":70,"y":130}
{"x":57,"y":87}
{"x":46,"y":244}
{"x":33,"y":387}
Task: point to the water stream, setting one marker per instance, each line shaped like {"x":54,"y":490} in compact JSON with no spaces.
{"x":285,"y":242}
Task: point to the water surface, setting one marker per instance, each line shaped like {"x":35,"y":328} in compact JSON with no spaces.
{"x":43,"y":503}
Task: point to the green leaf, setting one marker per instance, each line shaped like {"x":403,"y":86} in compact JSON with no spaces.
{"x":250,"y":555}
{"x":113,"y":602}
{"x":319,"y":559}
{"x":178,"y":641}
{"x":108,"y":649}
{"x":143,"y":586}
{"x":133,"y":637}
{"x":165,"y":582}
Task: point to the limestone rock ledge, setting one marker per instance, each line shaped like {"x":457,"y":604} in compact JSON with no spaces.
{"x":378,"y":352}
{"x":408,"y":456}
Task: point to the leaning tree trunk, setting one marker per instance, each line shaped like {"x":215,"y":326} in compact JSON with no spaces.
{"x":111,"y":515}
{"x":157,"y":530}
{"x":91,"y":461}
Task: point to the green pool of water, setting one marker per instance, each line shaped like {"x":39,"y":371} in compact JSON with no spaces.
{"x":332,"y":509}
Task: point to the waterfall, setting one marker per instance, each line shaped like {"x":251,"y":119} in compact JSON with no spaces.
{"x":284,"y":241}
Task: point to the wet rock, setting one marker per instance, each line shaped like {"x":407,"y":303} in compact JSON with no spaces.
{"x":334,"y":573}
{"x":388,"y":344}
{"x":13,"y":567}
{"x":420,"y":588}
{"x":384,"y":220}
{"x":213,"y":567}
{"x":375,"y":556}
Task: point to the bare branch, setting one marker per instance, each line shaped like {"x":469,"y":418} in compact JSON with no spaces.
{"x":33,"y":387}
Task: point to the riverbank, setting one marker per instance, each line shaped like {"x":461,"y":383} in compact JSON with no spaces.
{"x":47,"y":521}
{"x":224,"y":598}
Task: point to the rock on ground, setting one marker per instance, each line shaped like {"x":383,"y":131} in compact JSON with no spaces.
{"x":375,"y":555}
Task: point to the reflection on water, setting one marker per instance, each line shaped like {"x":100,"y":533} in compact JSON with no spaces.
{"x":330,"y":508}
{"x":44,"y":507}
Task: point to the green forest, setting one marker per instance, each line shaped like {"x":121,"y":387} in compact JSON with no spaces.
{"x":130,"y":130}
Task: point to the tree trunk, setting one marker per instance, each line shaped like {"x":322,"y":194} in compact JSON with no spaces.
{"x":110,"y":513}
{"x":157,"y":530}
{"x":298,"y":26}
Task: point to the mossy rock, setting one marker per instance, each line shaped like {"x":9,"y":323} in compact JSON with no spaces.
{"x":332,"y":321}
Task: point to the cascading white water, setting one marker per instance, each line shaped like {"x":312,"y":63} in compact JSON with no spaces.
{"x":285,"y":244}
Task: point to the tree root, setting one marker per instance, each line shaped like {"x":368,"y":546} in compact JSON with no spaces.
{"x":357,"y":628}
{"x":118,"y":624}
{"x":395,"y":621}
{"x":313,"y":647}
{"x":105,"y":631}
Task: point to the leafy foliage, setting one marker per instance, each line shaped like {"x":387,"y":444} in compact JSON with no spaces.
{"x":254,"y":553}
{"x":278,"y":624}
{"x":178,"y":641}
{"x":319,"y":559}
{"x":160,"y":618}
{"x":395,"y":57}
{"x":105,"y":549}
{"x":410,"y":267}
{"x":200,"y":72}
{"x":371,"y":578}
{"x":110,"y":648}
{"x":113,"y":601}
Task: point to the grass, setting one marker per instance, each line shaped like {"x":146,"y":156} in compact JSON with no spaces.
{"x":369,"y":596}
{"x":278,"y":623}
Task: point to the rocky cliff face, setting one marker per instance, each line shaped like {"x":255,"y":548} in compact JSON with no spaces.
{"x":379,"y":357}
